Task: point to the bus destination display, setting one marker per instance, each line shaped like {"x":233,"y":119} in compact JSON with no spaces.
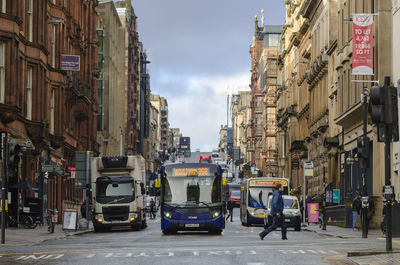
{"x":267,"y":183}
{"x":181,"y":172}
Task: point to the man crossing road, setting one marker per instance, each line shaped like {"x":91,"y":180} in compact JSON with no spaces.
{"x":277,"y":214}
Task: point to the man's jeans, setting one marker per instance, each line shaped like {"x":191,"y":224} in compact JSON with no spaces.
{"x":275,"y":223}
{"x":355,"y":216}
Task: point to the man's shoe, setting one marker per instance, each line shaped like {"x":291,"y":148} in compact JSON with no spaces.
{"x":261,"y":237}
{"x":284,"y":238}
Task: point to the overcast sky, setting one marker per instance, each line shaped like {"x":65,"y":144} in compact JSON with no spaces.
{"x":199,"y":49}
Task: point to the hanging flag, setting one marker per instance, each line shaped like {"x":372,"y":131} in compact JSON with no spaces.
{"x":363,"y":46}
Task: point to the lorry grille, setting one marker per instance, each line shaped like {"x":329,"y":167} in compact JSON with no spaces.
{"x":116,"y":213}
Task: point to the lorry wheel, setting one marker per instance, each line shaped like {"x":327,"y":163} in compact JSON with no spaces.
{"x":297,"y":228}
{"x":136,"y":227}
{"x":98,"y":229}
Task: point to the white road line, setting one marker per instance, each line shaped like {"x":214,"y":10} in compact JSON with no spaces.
{"x":90,"y":256}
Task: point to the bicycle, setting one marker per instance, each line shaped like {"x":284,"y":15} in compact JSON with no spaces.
{"x":25,"y":219}
{"x":51,"y":218}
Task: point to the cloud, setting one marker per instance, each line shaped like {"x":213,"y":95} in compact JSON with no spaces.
{"x":201,"y":114}
{"x":198,"y":49}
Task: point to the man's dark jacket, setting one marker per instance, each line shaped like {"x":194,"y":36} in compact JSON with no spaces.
{"x":276,"y":203}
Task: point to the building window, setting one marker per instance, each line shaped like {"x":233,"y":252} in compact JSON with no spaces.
{"x":2,"y":79}
{"x":52,"y":105}
{"x":53,"y":46}
{"x":29,"y":93}
{"x":3,"y":6}
{"x":29,"y":20}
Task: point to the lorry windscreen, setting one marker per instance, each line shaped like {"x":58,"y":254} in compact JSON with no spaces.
{"x":115,"y":189}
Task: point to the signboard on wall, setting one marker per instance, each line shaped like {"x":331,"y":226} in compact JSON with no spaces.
{"x":70,"y":62}
{"x":336,"y":196}
{"x":251,"y":144}
{"x":363,"y":46}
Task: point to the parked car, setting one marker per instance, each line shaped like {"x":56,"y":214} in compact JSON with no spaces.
{"x":234,"y":197}
{"x":291,"y":211}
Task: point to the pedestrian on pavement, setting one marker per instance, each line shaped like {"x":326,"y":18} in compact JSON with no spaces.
{"x":371,"y":211}
{"x":229,"y":206}
{"x":152,"y":209}
{"x":278,"y":219}
{"x":356,"y":208}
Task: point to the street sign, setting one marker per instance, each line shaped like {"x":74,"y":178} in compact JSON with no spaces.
{"x":236,"y":153}
{"x":308,"y":168}
{"x":56,"y":169}
{"x":3,"y":138}
{"x":80,"y":170}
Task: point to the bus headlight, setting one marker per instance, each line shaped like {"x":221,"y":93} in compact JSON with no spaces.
{"x":167,"y":214}
{"x":216,"y":214}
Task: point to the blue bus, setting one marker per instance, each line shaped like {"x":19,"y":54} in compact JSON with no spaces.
{"x":191,"y":198}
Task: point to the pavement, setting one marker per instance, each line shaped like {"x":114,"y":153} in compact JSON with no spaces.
{"x":362,"y":256}
{"x":28,"y":237}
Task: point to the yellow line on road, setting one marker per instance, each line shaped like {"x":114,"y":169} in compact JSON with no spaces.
{"x":393,"y":240}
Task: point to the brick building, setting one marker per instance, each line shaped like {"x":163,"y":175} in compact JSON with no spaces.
{"x":48,"y":111}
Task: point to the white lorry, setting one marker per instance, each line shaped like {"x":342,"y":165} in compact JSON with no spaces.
{"x":118,"y":192}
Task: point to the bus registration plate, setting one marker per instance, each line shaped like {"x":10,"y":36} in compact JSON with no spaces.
{"x":192,"y":225}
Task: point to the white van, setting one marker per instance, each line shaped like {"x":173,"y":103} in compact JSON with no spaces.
{"x":291,"y":211}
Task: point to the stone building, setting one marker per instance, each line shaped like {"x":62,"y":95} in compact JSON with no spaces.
{"x":132,"y":76}
{"x":49,"y":111}
{"x":112,"y":80}
{"x":241,"y":123}
{"x":161,"y":104}
{"x":350,"y":110}
{"x":323,"y":139}
{"x":174,"y":137}
{"x":293,"y":96}
{"x":264,"y":53}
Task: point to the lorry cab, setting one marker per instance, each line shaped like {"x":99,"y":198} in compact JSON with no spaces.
{"x":118,"y":192}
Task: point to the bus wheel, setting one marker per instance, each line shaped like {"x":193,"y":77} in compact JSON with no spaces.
{"x":169,"y":232}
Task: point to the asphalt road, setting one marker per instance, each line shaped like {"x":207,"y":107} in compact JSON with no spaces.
{"x":237,"y":245}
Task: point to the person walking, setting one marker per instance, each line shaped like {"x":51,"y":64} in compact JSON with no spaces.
{"x":152,"y":210}
{"x":356,"y":208}
{"x":278,"y":219}
{"x":229,"y":206}
{"x":370,"y":212}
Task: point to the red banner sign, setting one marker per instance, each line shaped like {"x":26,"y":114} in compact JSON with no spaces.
{"x":363,"y":46}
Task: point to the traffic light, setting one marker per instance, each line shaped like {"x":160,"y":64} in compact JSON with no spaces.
{"x":384,"y":111}
{"x":363,"y":152}
{"x":13,"y":159}
{"x":379,"y":104}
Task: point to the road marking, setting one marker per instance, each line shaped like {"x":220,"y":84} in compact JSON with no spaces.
{"x":90,"y":256}
{"x":34,"y":257}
